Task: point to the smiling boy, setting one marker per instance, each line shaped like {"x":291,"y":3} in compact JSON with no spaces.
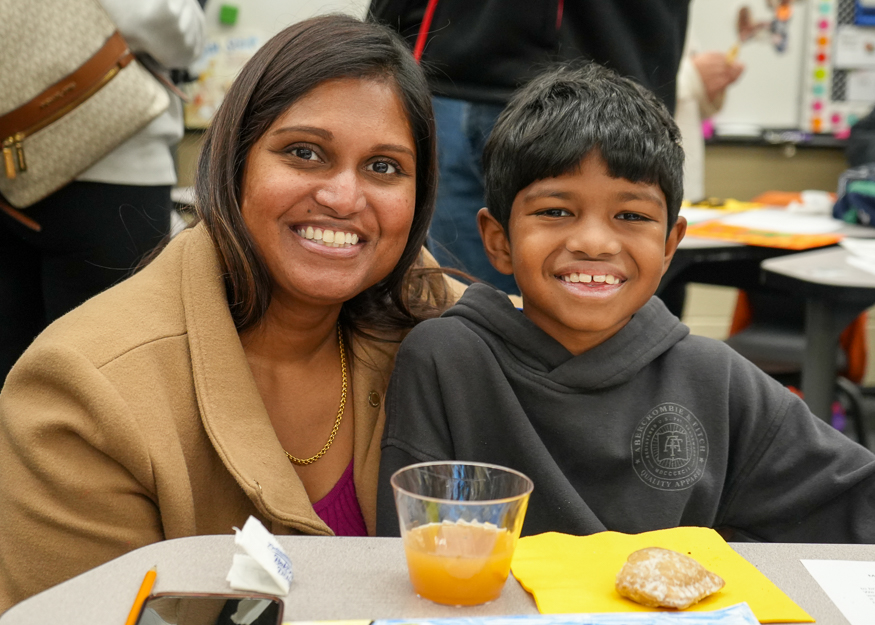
{"x":623,"y":420}
{"x":588,"y":250}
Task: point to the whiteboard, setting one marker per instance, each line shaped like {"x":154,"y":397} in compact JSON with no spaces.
{"x":768,"y":93}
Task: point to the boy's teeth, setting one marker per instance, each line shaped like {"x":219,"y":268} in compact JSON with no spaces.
{"x":329,"y":238}
{"x":585,"y":277}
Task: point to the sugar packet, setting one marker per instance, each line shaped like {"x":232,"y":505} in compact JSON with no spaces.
{"x":264,"y":567}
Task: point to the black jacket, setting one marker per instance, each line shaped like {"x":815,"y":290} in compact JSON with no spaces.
{"x":654,"y":428}
{"x":482,"y":50}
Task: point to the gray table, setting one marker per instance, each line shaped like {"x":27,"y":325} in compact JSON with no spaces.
{"x":835,"y":293}
{"x":348,"y":578}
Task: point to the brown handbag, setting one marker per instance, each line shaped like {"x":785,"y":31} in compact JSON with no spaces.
{"x":72,"y":91}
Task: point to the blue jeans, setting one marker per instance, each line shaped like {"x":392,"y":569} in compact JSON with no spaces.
{"x":462,"y":129}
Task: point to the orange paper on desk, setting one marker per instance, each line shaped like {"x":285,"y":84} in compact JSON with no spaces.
{"x":569,"y":574}
{"x":764,"y":238}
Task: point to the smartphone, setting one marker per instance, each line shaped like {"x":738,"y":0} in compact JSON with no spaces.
{"x":211,"y":609}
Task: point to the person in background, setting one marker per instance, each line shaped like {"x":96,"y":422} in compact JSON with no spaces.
{"x":242,"y":371}
{"x":860,"y":149}
{"x":701,"y":87}
{"x":622,"y":419}
{"x":478,"y":53}
{"x":96,"y":229}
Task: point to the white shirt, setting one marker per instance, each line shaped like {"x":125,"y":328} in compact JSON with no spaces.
{"x":172,"y":31}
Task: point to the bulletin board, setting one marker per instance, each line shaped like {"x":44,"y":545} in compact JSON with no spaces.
{"x":839,"y":71}
{"x":824,"y":80}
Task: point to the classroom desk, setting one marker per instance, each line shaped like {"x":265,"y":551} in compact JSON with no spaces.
{"x":724,"y":263}
{"x":712,"y":261}
{"x":348,"y":578}
{"x":695,"y":253}
{"x":835,"y":293}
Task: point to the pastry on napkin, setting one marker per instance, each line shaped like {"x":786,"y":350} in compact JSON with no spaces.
{"x":570,"y":574}
{"x":662,"y":578}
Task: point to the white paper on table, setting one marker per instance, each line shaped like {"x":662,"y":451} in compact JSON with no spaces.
{"x":865,"y":264}
{"x":772,"y":220}
{"x":861,"y":253}
{"x":850,"y":584}
{"x":863,"y":248}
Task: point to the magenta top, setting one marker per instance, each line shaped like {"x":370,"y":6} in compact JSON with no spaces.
{"x":340,"y":508}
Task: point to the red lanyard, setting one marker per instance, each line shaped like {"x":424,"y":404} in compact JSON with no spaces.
{"x":423,"y":29}
{"x":429,"y":14}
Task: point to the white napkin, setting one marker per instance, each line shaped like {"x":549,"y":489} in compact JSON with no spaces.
{"x":264,"y":567}
{"x":813,"y":203}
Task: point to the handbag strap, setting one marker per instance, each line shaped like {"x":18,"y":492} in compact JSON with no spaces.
{"x":154,"y":68}
{"x":20,"y":217}
{"x":70,"y":89}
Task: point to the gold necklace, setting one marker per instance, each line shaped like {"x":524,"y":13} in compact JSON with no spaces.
{"x":312,"y":459}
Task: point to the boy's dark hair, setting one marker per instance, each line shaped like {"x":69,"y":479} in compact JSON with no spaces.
{"x":558,"y":118}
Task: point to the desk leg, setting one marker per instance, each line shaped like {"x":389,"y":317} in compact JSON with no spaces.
{"x":824,"y":323}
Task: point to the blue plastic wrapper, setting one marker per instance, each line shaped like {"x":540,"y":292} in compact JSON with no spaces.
{"x":739,"y":614}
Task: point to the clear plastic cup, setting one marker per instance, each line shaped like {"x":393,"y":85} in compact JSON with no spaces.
{"x":460,"y":522}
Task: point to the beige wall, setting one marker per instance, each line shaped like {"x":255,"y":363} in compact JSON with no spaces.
{"x":742,"y":172}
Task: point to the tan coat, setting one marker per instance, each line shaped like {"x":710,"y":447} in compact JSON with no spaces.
{"x":135,"y":418}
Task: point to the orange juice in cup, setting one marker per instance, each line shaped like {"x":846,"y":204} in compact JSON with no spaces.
{"x":459,"y":563}
{"x":459,"y":525}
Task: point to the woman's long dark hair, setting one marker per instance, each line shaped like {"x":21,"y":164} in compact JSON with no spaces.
{"x":282,"y":71}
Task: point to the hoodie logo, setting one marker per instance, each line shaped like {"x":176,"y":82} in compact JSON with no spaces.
{"x":669,"y":448}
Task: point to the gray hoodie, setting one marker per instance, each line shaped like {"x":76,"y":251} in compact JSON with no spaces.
{"x":654,"y":428}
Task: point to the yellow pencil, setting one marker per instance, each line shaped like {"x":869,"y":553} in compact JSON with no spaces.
{"x":145,"y":589}
{"x":732,"y":54}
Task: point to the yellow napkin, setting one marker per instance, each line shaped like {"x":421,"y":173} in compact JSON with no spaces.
{"x":568,"y":574}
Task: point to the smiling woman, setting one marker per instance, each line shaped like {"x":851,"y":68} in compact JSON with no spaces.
{"x":341,"y":161}
{"x":242,"y":372}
